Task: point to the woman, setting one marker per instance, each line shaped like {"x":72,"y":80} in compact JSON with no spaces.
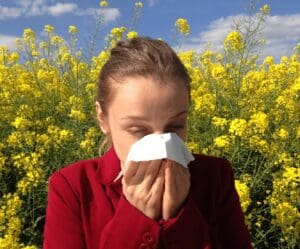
{"x":144,"y":89}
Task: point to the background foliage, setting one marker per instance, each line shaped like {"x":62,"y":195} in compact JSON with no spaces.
{"x":244,"y":108}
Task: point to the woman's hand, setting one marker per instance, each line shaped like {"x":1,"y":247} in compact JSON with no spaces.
{"x":143,"y":186}
{"x":177,"y":185}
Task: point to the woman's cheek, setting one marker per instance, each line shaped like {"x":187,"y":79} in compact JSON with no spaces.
{"x":122,"y":146}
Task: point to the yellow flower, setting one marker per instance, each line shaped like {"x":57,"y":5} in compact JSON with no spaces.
{"x":187,"y":57}
{"x":257,"y":143}
{"x":103,"y":4}
{"x":205,"y":103}
{"x":269,"y":60}
{"x":77,"y":114}
{"x":43,"y":44}
{"x":265,"y":9}
{"x":139,"y":5}
{"x":219,"y":122}
{"x":13,"y":57}
{"x":182,"y":26}
{"x":259,"y":122}
{"x":218,"y":72}
{"x":244,"y":194}
{"x":132,"y":34}
{"x":298,"y":132}
{"x":28,"y":34}
{"x":282,"y":133}
{"x":219,"y":57}
{"x":21,"y":123}
{"x":234,"y":41}
{"x":194,"y":147}
{"x":56,"y":40}
{"x":48,"y":28}
{"x":238,"y":127}
{"x":73,"y":29}
{"x":2,"y":162}
{"x":30,"y":247}
{"x":117,"y":33}
{"x":222,"y":141}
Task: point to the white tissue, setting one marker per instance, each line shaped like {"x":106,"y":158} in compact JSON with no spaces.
{"x":159,"y":146}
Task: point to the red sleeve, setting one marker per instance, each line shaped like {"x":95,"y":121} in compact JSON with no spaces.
{"x":129,"y":228}
{"x":62,"y":214}
{"x":189,"y":230}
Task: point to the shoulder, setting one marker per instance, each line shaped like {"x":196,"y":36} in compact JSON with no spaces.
{"x":209,"y":163}
{"x":211,"y":177}
{"x":210,"y":167}
{"x":76,"y":173}
{"x":78,"y":168}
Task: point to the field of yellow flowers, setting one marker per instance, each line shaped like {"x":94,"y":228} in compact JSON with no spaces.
{"x":244,"y":109}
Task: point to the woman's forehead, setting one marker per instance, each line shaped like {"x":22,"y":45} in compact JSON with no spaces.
{"x":141,"y":91}
{"x":138,"y":96}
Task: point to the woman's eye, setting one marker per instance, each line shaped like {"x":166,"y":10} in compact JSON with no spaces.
{"x":143,"y":132}
{"x":136,"y":132}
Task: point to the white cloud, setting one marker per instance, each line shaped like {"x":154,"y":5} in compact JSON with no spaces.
{"x":152,"y":2}
{"x":23,"y":8}
{"x":34,"y":7}
{"x":40,"y":7}
{"x":10,"y":12}
{"x":61,"y":8}
{"x":108,"y":14}
{"x":7,"y":40}
{"x":280,"y":32}
{"x":283,"y":28}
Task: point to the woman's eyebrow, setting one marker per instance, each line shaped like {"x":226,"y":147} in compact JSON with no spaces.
{"x":145,"y":118}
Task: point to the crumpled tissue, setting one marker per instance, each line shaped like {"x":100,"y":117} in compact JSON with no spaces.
{"x":159,"y":146}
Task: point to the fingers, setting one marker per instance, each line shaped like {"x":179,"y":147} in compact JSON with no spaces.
{"x":130,"y":169}
{"x":151,"y":173}
{"x":144,"y":186}
{"x":158,"y":186}
{"x":169,"y":177}
{"x":176,"y":176}
{"x":143,"y":172}
{"x":177,"y":184}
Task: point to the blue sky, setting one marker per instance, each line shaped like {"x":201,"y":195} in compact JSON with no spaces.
{"x":210,"y":20}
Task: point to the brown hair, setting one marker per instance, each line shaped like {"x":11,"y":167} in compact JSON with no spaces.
{"x":141,"y":56}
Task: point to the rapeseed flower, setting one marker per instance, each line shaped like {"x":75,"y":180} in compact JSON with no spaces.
{"x":49,"y":29}
{"x":244,"y":194}
{"x":103,"y":4}
{"x":139,"y":5}
{"x":182,"y":26}
{"x":265,"y":9}
{"x":28,"y":34}
{"x":222,"y":141}
{"x":259,"y":122}
{"x":73,"y":29}
{"x":132,"y":34}
{"x":219,"y":122}
{"x":238,"y":127}
{"x":234,"y":41}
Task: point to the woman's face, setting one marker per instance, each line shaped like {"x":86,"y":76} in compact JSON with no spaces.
{"x":141,"y":106}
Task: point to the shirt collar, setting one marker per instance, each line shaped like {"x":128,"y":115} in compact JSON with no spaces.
{"x":109,"y":167}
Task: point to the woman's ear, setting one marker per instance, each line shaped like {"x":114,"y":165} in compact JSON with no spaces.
{"x":102,"y":119}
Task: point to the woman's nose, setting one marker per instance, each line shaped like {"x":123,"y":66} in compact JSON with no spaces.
{"x":159,"y":132}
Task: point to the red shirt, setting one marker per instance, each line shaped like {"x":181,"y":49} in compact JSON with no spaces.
{"x":86,"y":209}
